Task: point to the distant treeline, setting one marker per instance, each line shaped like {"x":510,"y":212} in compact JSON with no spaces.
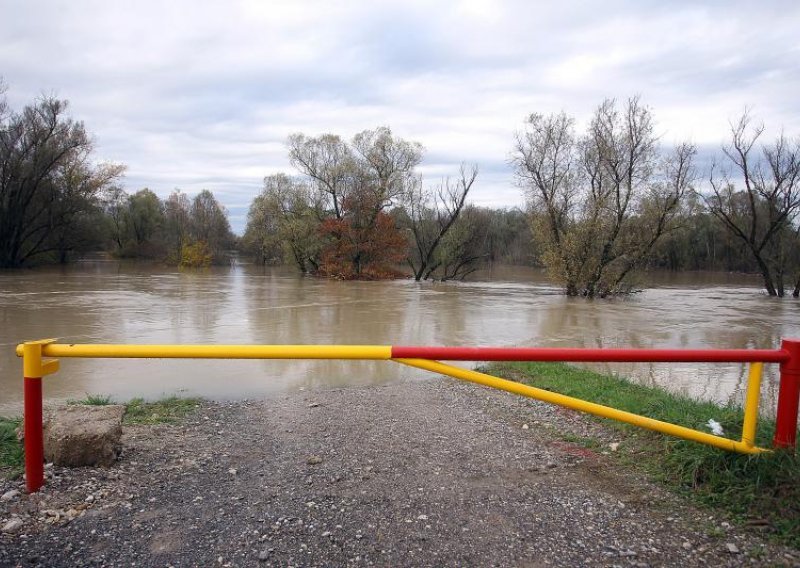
{"x":600,"y":205}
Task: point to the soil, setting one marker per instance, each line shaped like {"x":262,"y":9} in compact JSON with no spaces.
{"x":413,"y":473}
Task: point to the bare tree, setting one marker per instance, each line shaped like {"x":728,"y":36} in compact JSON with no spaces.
{"x":354,"y":183}
{"x":46,"y":178}
{"x":601,"y":202}
{"x":328,"y":162}
{"x":114,"y":203}
{"x":431,"y":214}
{"x":796,"y":249}
{"x":375,"y":169}
{"x":177,"y":215}
{"x":545,"y":161}
{"x":384,"y":166}
{"x":762,"y":215}
{"x":463,"y":247}
{"x":75,"y":217}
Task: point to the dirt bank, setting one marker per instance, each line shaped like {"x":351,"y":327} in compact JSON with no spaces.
{"x":414,"y":473}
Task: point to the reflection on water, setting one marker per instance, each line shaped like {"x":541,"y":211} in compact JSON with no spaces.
{"x":113,"y":302}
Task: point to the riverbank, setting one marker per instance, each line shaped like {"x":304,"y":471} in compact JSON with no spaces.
{"x":414,"y":473}
{"x":761,"y":490}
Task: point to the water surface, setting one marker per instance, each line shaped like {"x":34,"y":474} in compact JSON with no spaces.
{"x":112,"y":302}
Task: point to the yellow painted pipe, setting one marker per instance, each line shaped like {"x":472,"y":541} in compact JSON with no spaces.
{"x":33,"y":366}
{"x":751,"y":405}
{"x":373,"y":352}
{"x":582,"y":405}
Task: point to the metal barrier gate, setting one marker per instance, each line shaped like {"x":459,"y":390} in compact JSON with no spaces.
{"x":39,"y":361}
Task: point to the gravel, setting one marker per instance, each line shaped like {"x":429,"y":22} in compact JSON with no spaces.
{"x":413,"y":473}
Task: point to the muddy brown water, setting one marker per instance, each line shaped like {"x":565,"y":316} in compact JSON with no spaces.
{"x":113,"y":302}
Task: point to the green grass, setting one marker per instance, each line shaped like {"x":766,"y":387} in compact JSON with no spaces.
{"x":138,"y":411}
{"x":11,"y":456}
{"x":763,"y":487}
{"x":165,"y":411}
{"x":93,"y":400}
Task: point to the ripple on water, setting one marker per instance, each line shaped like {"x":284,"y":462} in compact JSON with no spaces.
{"x":112,"y":303}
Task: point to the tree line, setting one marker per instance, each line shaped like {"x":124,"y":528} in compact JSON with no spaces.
{"x":600,"y":205}
{"x":177,"y":230}
{"x":55,"y":203}
{"x":611,"y":200}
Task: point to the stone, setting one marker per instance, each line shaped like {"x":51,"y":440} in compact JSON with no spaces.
{"x":732,"y":548}
{"x":12,"y":526}
{"x":81,"y":435}
{"x":314,"y":460}
{"x":9,"y":495}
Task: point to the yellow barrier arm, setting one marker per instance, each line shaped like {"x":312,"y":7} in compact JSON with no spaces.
{"x":108,"y":350}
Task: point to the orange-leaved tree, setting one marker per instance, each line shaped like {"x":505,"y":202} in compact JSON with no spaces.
{"x":362,"y":244}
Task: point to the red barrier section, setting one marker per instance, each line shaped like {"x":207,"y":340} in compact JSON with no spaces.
{"x":788,"y":397}
{"x":592,"y":355}
{"x":34,"y":437}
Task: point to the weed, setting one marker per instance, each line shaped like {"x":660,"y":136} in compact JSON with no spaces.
{"x":165,"y":411}
{"x":93,"y":400}
{"x":11,"y":455}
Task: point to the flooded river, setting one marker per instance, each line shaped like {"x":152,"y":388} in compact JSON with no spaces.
{"x":111,"y":302}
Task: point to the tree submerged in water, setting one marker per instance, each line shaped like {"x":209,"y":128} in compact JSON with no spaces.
{"x":761,"y":211}
{"x":359,"y":211}
{"x":601,"y":202}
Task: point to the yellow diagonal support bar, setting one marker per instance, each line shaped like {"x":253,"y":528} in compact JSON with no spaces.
{"x":582,"y":405}
{"x":373,"y":352}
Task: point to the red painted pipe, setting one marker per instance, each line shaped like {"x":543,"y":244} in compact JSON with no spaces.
{"x":34,"y":436}
{"x":593,"y":355}
{"x":788,"y":397}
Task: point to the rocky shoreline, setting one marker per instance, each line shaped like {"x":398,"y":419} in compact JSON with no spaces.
{"x":413,"y":473}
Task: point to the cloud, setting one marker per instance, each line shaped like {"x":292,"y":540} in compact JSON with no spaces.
{"x":203,"y":95}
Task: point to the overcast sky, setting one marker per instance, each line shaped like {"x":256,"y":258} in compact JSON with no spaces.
{"x":197,"y":95}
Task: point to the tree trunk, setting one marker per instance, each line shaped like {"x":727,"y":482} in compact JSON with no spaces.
{"x":571,"y":289}
{"x":765,"y":274}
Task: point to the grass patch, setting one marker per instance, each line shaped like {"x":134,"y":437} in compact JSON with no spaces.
{"x":93,"y":400}
{"x":760,"y":488}
{"x":165,"y":411}
{"x":11,"y":455}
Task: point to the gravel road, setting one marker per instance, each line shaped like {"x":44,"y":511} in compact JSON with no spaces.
{"x":414,"y":473}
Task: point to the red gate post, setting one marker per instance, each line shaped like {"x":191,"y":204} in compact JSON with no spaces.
{"x":34,"y":436}
{"x":33,"y":370}
{"x":788,"y":397}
